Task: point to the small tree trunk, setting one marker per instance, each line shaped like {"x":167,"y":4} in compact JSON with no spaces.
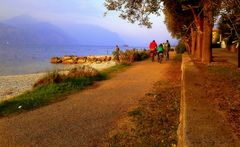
{"x":186,"y":43}
{"x":193,"y":43}
{"x":238,"y":55}
{"x":199,"y":43}
{"x":199,"y":23}
{"x":207,"y":31}
{"x":187,"y":46}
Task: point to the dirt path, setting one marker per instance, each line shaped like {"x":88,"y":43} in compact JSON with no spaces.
{"x":83,"y":117}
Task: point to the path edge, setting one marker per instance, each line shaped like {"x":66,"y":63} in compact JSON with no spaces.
{"x":180,"y":132}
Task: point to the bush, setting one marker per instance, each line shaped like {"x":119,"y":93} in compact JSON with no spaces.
{"x":53,"y":77}
{"x":56,"y":77}
{"x":131,"y":55}
{"x":83,"y":71}
{"x":116,"y":55}
{"x":180,"y":48}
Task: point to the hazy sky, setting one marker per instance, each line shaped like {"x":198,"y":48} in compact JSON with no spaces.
{"x":67,"y":12}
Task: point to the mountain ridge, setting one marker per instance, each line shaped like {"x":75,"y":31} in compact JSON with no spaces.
{"x":25,"y":29}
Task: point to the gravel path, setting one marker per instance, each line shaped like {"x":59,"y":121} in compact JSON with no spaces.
{"x":85,"y":117}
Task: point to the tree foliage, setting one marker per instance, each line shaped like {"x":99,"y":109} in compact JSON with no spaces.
{"x":135,"y":10}
{"x":140,"y":10}
{"x":230,"y":20}
{"x":177,"y":20}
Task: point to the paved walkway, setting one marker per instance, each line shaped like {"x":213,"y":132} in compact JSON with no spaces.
{"x":83,"y":118}
{"x":202,"y":124}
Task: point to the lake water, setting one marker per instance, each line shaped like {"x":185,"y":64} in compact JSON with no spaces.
{"x":35,"y":58}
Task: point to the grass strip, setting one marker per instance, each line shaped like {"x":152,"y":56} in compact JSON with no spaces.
{"x":46,"y":94}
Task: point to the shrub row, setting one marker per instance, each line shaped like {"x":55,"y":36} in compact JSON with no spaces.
{"x":131,"y":55}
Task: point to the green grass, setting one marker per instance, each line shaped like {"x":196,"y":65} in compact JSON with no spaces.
{"x":49,"y":93}
{"x":178,"y":57}
{"x":135,"y":112}
{"x":219,"y":70}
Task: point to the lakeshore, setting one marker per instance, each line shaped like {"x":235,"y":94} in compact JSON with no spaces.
{"x":13,"y":85}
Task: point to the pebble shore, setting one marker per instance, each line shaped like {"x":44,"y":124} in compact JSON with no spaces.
{"x":11,"y":86}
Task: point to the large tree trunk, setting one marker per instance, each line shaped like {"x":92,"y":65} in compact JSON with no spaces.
{"x":207,"y":34}
{"x":193,"y":41}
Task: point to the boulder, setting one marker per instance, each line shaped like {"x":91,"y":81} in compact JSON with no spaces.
{"x":70,"y":61}
{"x":98,"y":62}
{"x":55,"y":60}
{"x":81,"y":60}
{"x":109,"y":58}
{"x":101,"y":59}
{"x":91,"y":59}
{"x":66,"y":58}
{"x":75,"y":58}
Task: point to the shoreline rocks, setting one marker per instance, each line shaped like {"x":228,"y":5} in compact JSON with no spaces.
{"x":80,"y":59}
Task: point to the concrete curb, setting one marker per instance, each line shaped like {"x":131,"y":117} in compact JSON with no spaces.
{"x":181,"y":136}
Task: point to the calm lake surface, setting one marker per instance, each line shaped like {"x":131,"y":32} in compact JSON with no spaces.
{"x":35,"y":58}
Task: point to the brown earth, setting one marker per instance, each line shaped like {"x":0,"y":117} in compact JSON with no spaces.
{"x":85,"y":117}
{"x":223,"y":84}
{"x":223,"y":90}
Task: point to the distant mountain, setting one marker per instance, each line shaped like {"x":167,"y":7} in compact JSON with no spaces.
{"x":25,"y":29}
{"x":9,"y":34}
{"x":86,"y":34}
{"x":21,"y":20}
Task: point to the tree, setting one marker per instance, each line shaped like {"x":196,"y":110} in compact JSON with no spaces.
{"x":230,"y":19}
{"x":207,"y":34}
{"x":135,"y":10}
{"x":230,"y":22}
{"x":178,"y":20}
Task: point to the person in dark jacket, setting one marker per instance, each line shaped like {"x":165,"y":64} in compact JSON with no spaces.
{"x":116,"y":53}
{"x":167,"y":49}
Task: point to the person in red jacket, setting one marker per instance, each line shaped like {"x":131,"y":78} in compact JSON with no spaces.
{"x":153,"y":47}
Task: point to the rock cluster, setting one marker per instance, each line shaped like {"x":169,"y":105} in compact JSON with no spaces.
{"x":80,"y":60}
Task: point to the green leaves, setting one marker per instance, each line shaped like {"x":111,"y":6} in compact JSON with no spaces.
{"x":135,"y":10}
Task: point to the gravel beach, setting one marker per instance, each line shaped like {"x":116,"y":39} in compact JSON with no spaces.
{"x":14,"y":85}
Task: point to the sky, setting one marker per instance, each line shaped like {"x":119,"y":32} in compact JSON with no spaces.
{"x":68,"y":12}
